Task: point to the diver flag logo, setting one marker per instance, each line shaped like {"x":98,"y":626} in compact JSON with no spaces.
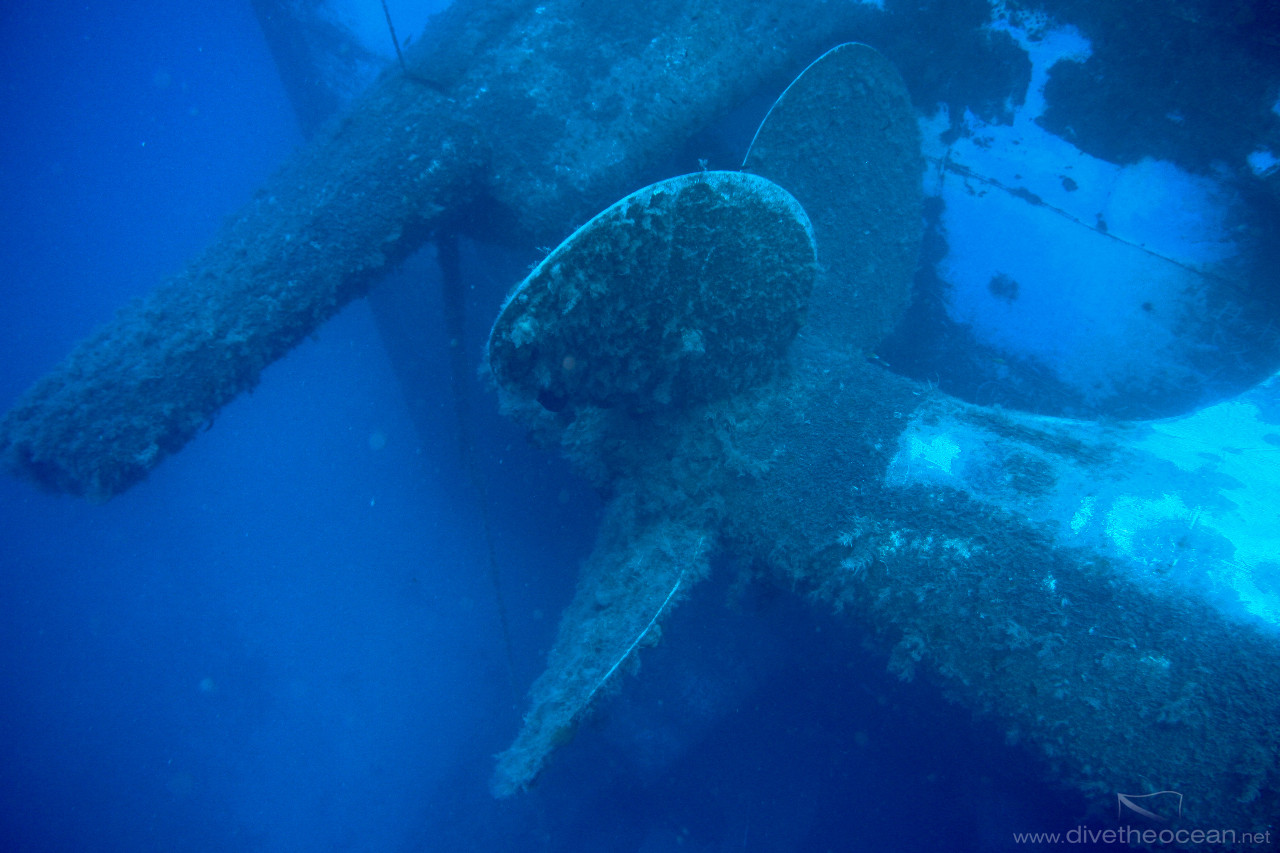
{"x":1157,"y":809}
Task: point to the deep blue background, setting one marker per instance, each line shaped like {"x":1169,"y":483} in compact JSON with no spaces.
{"x":287,"y":637}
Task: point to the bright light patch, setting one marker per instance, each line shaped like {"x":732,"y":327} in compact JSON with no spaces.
{"x":1263,"y":162}
{"x":1231,"y":444}
{"x":940,"y":452}
{"x":1086,"y":265}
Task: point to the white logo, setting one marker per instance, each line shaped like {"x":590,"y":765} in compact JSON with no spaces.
{"x":1165,"y":806}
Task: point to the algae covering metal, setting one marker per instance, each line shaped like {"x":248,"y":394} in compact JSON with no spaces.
{"x":548,"y":110}
{"x":682,"y":292}
{"x":997,"y":556}
{"x":684,"y":313}
{"x":843,"y":140}
{"x":636,"y":575}
{"x":1103,"y":592}
{"x":841,"y":479}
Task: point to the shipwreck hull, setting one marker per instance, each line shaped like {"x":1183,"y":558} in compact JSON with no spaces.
{"x":983,"y":550}
{"x":1099,"y":660}
{"x":995,"y":554}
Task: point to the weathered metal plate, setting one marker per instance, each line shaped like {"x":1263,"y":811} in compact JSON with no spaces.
{"x":682,"y":292}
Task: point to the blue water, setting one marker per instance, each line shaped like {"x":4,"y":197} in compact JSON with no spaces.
{"x":287,"y":637}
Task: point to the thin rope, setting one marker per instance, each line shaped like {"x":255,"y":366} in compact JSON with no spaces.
{"x":631,"y":648}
